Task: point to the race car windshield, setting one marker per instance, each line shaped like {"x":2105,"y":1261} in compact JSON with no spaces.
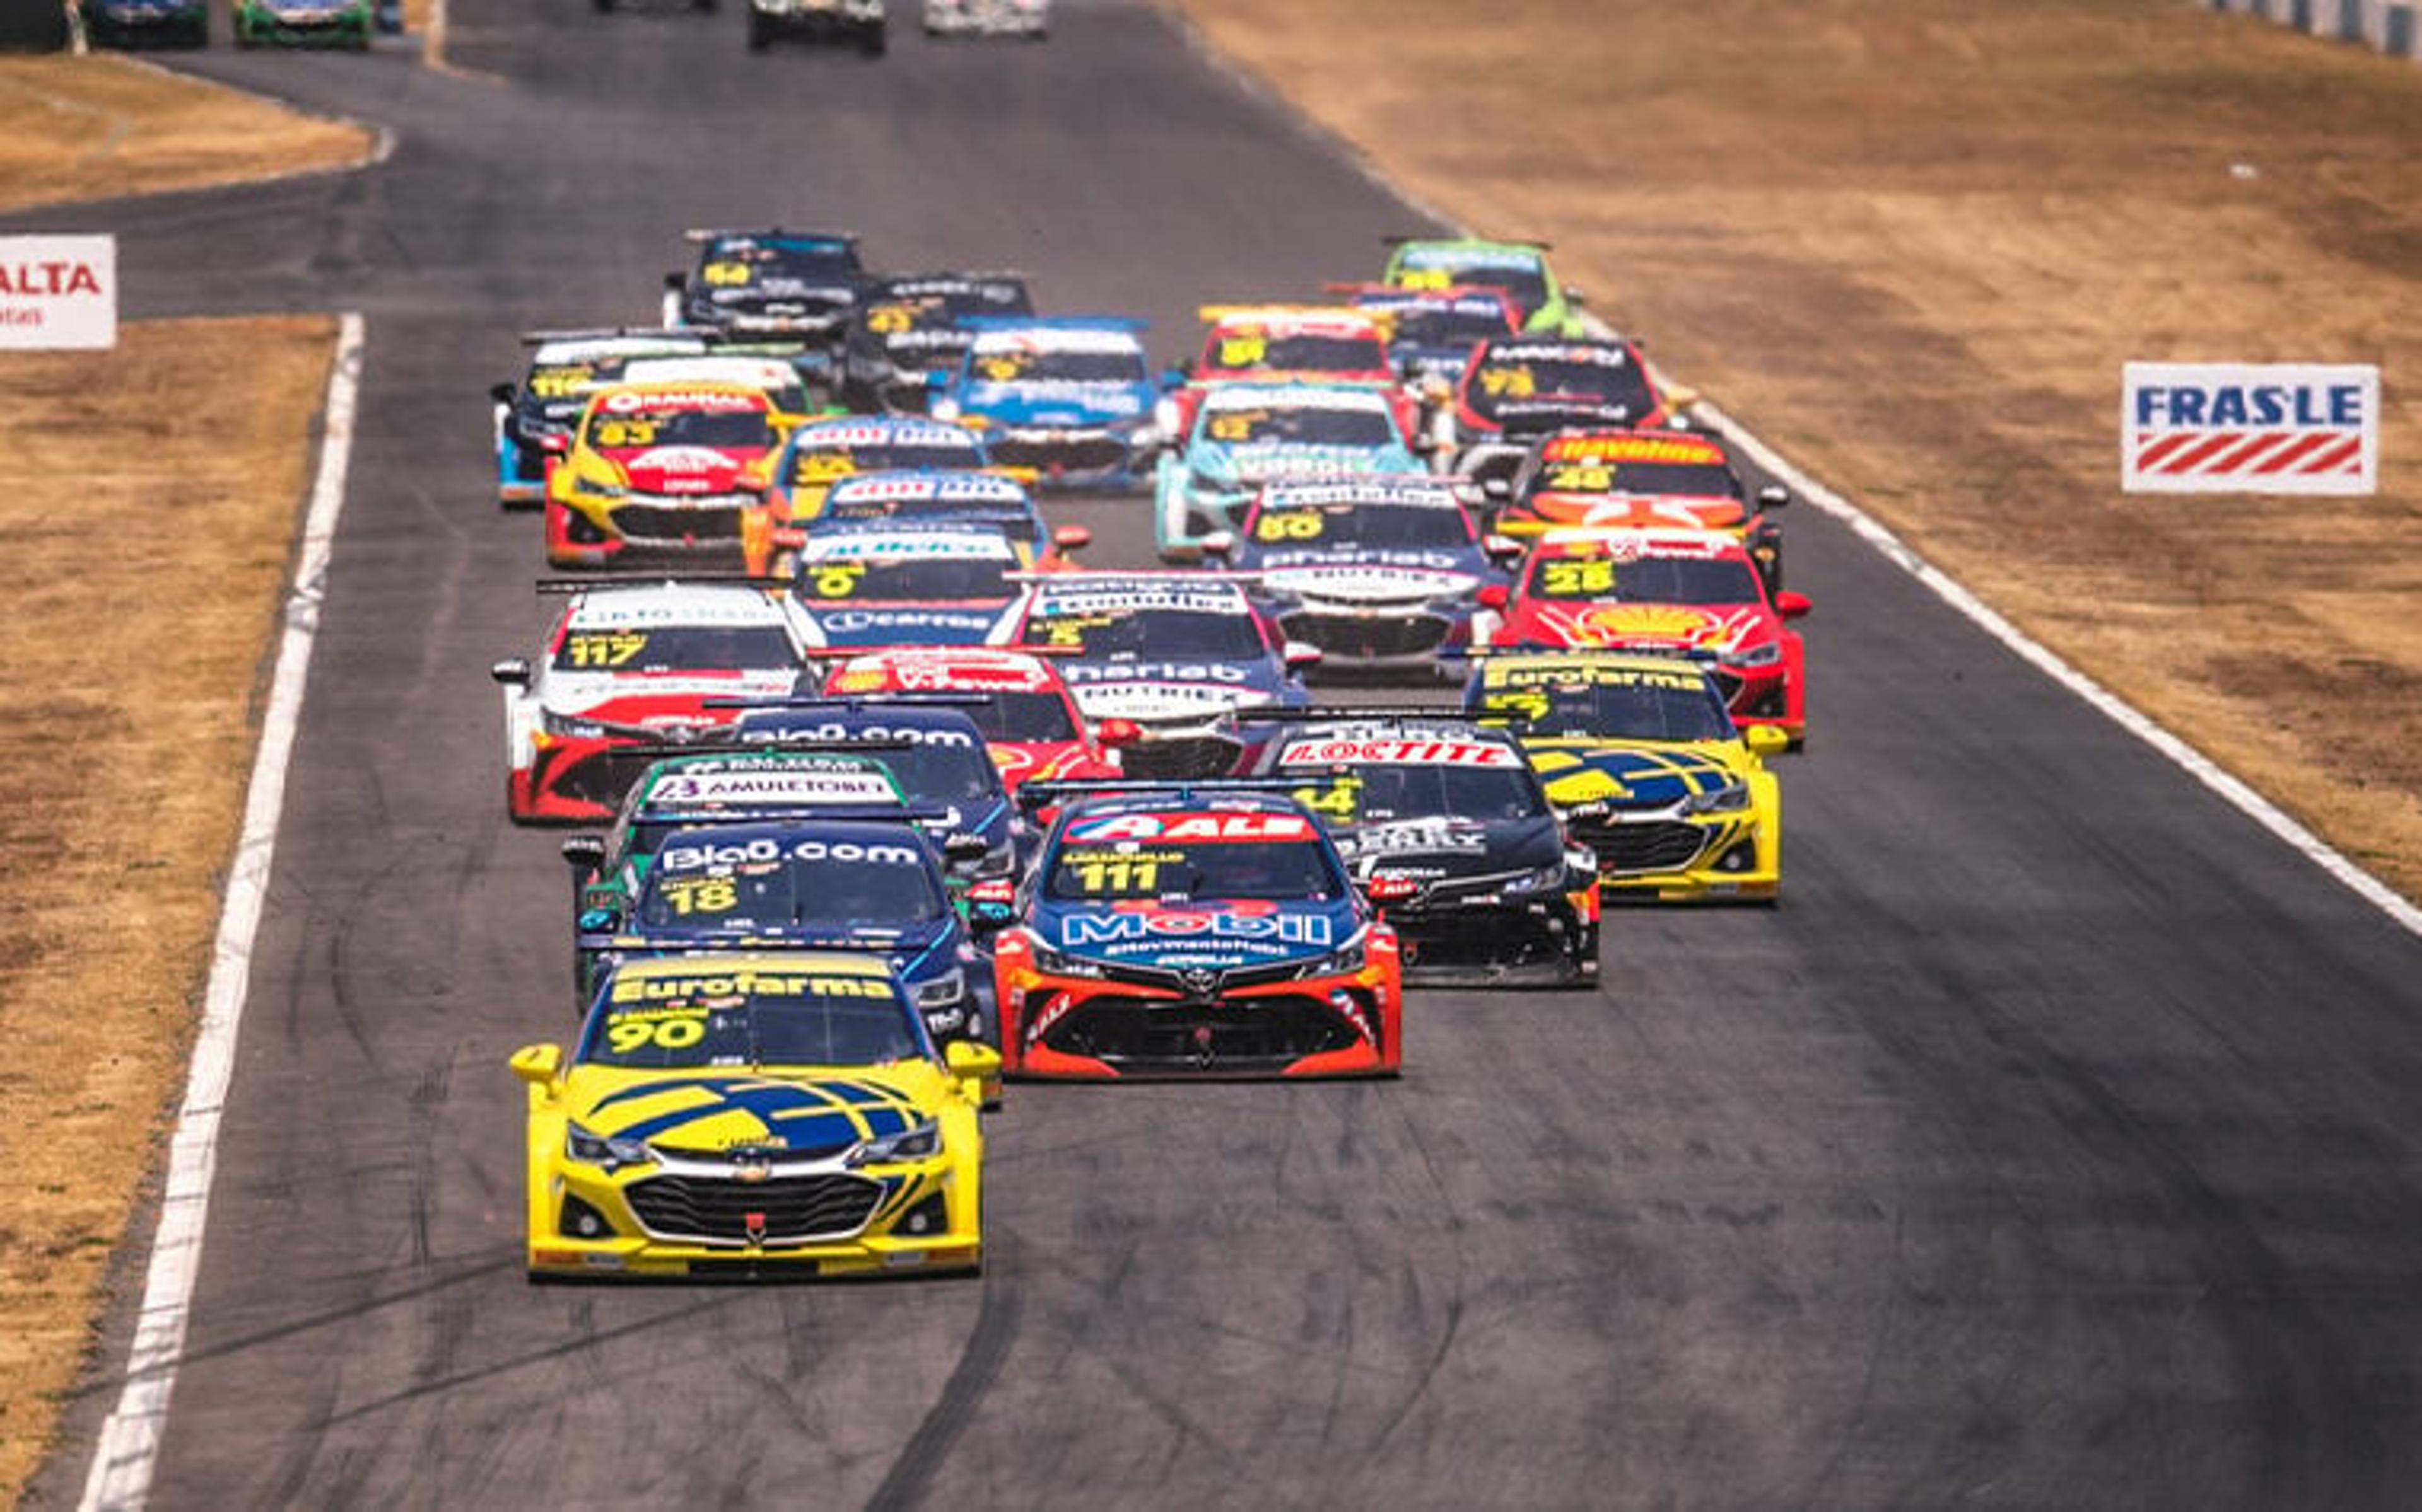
{"x":894,"y":579}
{"x":1444,"y":325}
{"x":1377,"y":526}
{"x":1495,"y":383}
{"x":833,"y":886}
{"x":1306,"y":425}
{"x":1129,"y":635}
{"x":869,"y":1030}
{"x":1296,"y":353}
{"x":675,"y":648}
{"x":821,"y":465}
{"x":1652,"y":707}
{"x":1376,"y":794}
{"x":1015,"y":717}
{"x":748,"y":261}
{"x":1691,"y":480}
{"x":1521,"y":276}
{"x":939,"y":770}
{"x":1689,"y":580}
{"x":722,"y":429}
{"x":1058,"y":366}
{"x":1129,"y":869}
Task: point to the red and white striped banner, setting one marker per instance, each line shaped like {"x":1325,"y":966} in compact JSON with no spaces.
{"x":2250,"y":428}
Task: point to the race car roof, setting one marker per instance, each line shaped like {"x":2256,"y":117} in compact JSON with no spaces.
{"x":1372,"y":488}
{"x":1633,"y":446}
{"x":923,"y":485}
{"x":1226,"y":396}
{"x":772,"y":777}
{"x":1399,"y":744}
{"x":555,"y":352}
{"x":1628,"y":543}
{"x":1532,"y":668}
{"x":883,"y":430}
{"x":1086,"y":593}
{"x":651,"y":398}
{"x":934,"y":669}
{"x":1294,"y":320}
{"x":628,"y":605}
{"x":1531,"y":349}
{"x":878,"y":540}
{"x":755,"y":372}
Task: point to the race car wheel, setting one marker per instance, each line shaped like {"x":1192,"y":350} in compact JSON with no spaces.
{"x":873,"y":42}
{"x":603,"y":7}
{"x":760,"y":35}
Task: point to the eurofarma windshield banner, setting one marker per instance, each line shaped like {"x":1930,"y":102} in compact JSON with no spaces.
{"x":58,"y":293}
{"x":2250,"y":428}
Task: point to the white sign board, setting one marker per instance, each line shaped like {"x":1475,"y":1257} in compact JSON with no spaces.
{"x":58,"y":293}
{"x":2249,"y":428}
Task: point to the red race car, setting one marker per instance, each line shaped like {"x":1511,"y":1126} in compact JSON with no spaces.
{"x":1690,"y":592}
{"x":1290,"y":344}
{"x":1031,"y":724}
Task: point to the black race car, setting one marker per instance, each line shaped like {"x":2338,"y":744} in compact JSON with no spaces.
{"x":1445,"y":829}
{"x":906,"y":335}
{"x":771,"y":285}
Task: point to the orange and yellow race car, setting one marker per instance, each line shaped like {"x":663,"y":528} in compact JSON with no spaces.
{"x":665,"y":473}
{"x":1643,"y":479}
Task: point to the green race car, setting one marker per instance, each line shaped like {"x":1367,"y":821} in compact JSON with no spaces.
{"x":1519,"y":268}
{"x":304,"y":23}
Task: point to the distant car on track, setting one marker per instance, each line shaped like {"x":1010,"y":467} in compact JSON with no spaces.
{"x":305,"y":23}
{"x":908,"y":333}
{"x":147,"y":23}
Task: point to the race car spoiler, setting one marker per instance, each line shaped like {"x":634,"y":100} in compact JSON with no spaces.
{"x":1098,"y":577}
{"x":1400,"y":238}
{"x":657,"y":579}
{"x":1133,"y":324}
{"x":773,"y":743}
{"x":768,"y":234}
{"x":1038,"y":795}
{"x":607,"y":332}
{"x":1373,"y":715}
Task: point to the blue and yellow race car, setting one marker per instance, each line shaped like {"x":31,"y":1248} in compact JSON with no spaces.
{"x":1643,"y":760}
{"x":751,"y":1113}
{"x":1071,"y":396}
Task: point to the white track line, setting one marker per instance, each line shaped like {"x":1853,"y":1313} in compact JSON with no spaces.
{"x":1868,"y":529}
{"x":129,"y":1445}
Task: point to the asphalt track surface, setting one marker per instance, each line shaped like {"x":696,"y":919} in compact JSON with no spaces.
{"x":2055,"y":1142}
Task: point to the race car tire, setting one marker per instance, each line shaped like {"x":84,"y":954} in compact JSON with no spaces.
{"x":603,"y":7}
{"x":874,"y":41}
{"x":705,"y":7}
{"x":760,"y":35}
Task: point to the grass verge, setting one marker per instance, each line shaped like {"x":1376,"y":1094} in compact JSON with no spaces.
{"x":1911,"y":241}
{"x":150,"y":515}
{"x":98,"y":126}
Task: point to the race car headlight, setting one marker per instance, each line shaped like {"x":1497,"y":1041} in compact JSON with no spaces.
{"x":1057,"y":964}
{"x":1725,"y":800}
{"x":943,"y":409}
{"x":596,"y":1149}
{"x":942,"y":991}
{"x":917,"y":1143}
{"x":571,"y":726}
{"x":1343,"y":962}
{"x":1547,"y":878}
{"x":1756,"y":656}
{"x":598,"y":487}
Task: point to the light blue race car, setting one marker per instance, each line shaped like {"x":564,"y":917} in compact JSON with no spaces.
{"x":1248,"y":434}
{"x":1070,"y":397}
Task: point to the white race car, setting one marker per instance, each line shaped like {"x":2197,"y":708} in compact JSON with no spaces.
{"x":1030,"y":19}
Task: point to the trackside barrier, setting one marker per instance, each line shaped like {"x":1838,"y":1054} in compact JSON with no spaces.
{"x":2386,"y":26}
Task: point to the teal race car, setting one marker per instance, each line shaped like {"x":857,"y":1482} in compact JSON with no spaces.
{"x":1246,"y":435}
{"x":1519,"y":268}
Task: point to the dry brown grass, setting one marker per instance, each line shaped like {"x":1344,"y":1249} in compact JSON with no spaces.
{"x":1912,"y":241}
{"x":150,"y":511}
{"x":92,"y":128}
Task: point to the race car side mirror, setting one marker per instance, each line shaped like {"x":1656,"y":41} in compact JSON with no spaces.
{"x":1766,"y":740}
{"x":1493,"y":596}
{"x":978,"y":1069}
{"x":1301,"y":655}
{"x":1219,"y":543}
{"x":1502,"y":550}
{"x":584,"y":852}
{"x":555,"y":444}
{"x":1498,"y":488}
{"x":501,"y":393}
{"x":1114,"y":733}
{"x":1773,"y":496}
{"x":512,"y":671}
{"x":964,"y":850}
{"x":1068,"y":539}
{"x":538,"y":1065}
{"x":990,"y":917}
{"x":1792,"y":605}
{"x":1574,"y":296}
{"x":676,"y":282}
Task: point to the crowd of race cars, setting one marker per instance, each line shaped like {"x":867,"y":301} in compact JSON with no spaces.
{"x":891,"y":798}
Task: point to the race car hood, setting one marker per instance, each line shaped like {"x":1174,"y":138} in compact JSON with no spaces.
{"x":679,"y":470}
{"x":1046,"y":761}
{"x":1649,"y":625}
{"x":672,"y":699}
{"x":1584,"y":777}
{"x":1435,"y":847}
{"x":1059,"y":404}
{"x":968,"y":623}
{"x":1214,"y":935}
{"x":1168,"y":693}
{"x":1638,"y":511}
{"x":781,"y":295}
{"x":1368,"y":576}
{"x":797,"y":1111}
{"x":1255,"y":465}
{"x":904,"y":944}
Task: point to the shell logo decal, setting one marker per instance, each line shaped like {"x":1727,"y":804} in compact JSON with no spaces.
{"x":1609,"y":624}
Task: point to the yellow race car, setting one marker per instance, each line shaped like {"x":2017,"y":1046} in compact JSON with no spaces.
{"x":1640,"y":755}
{"x":755,"y":1113}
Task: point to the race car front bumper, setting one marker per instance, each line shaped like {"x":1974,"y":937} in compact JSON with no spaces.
{"x":642,"y":529}
{"x":684,"y":1217}
{"x":1088,"y":457}
{"x":573,"y":779}
{"x":988,"y":18}
{"x":1472,"y":935}
{"x":1145,"y":1024}
{"x":1674,"y":856}
{"x":1374,"y":639}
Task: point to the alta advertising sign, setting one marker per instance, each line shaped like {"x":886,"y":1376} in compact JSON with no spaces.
{"x":58,"y":293}
{"x":2250,"y":428}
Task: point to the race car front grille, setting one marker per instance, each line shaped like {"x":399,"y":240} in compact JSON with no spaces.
{"x":1185,"y":755}
{"x":1239,"y":1035}
{"x":1400,"y":634}
{"x":783,"y":1211}
{"x":677,"y":524}
{"x":1657,"y":845}
{"x":1086,"y":453}
{"x":1484,"y":939}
